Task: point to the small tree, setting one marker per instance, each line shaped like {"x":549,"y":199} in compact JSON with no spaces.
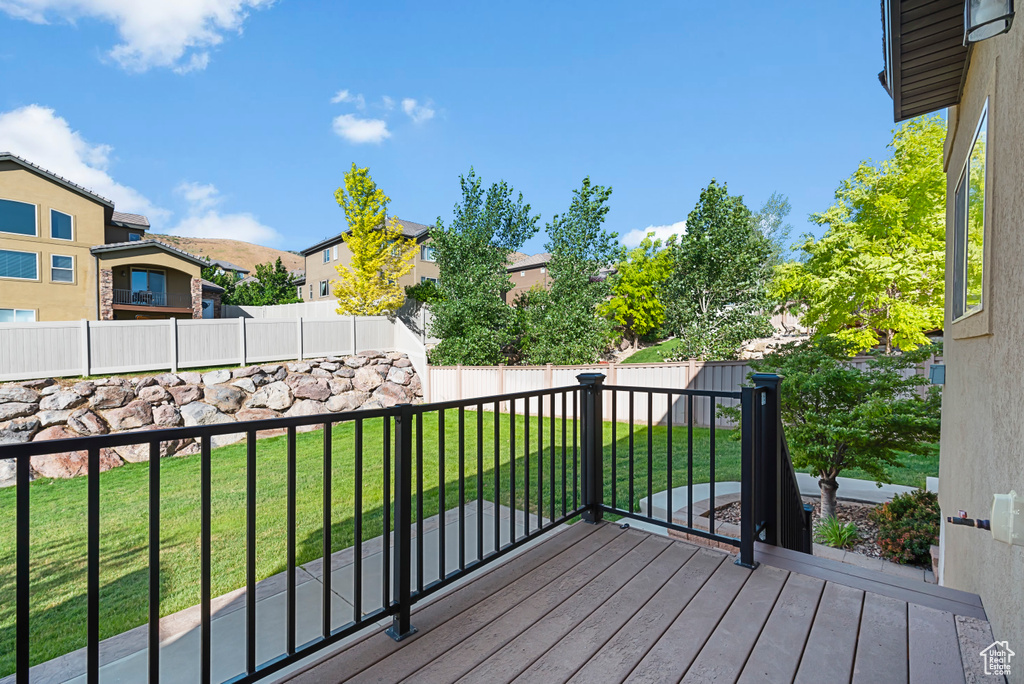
{"x":838,"y":416}
{"x":636,"y":305}
{"x":878,"y":273}
{"x":273,"y":285}
{"x":470,"y":317}
{"x":368,"y":286}
{"x":716,"y":296}
{"x":562,"y":325}
{"x":224,"y":279}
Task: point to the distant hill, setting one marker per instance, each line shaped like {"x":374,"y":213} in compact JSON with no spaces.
{"x":244,"y":254}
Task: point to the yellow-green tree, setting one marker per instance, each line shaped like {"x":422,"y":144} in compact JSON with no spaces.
{"x":368,"y":286}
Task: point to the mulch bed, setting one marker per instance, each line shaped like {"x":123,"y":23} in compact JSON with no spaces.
{"x":846,"y":511}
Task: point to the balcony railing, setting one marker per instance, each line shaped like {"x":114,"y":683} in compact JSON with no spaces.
{"x":563,"y":470}
{"x":179,"y":300}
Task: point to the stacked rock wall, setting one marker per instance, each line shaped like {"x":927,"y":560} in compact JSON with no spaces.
{"x":45,"y":409}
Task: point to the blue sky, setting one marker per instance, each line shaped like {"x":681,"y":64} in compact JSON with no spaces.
{"x":215,"y":117}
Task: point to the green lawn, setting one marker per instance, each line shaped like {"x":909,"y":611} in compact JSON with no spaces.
{"x":655,"y":353}
{"x":58,"y":515}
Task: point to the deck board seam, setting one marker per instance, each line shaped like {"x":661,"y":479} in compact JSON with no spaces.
{"x":856,"y":643}
{"x":810,"y":627}
{"x":767,"y":617}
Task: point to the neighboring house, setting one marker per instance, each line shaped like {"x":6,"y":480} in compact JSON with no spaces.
{"x":66,"y":254}
{"x":323,"y":258}
{"x":212,"y":299}
{"x":928,"y":68}
{"x":222,"y":266}
{"x":527,"y":272}
{"x":299,"y":280}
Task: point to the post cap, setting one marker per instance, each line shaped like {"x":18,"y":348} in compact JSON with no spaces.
{"x":590,"y":378}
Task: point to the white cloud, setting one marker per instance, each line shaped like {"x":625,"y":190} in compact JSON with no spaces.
{"x":38,"y":135}
{"x":387,"y":102}
{"x":417,"y":112}
{"x":356,"y":130}
{"x":155,"y":33}
{"x":633,"y":237}
{"x":205,"y":221}
{"x":345,"y":96}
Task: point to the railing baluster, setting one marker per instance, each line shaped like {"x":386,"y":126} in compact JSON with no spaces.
{"x":326,"y":574}
{"x":711,"y":463}
{"x":479,"y":482}
{"x":689,"y":462}
{"x":575,"y":451}
{"x":551,"y":478}
{"x":250,"y":551}
{"x":205,"y":494}
{"x":442,"y":481}
{"x":154,"y":562}
{"x":357,"y":568}
{"x":540,"y":462}
{"x":668,"y":448}
{"x":462,"y":488}
{"x":650,"y":454}
{"x":565,"y":419}
{"x":93,"y":571}
{"x":23,"y":580}
{"x":387,"y":513}
{"x":290,"y":467}
{"x":526,"y":465}
{"x":632,"y":453}
{"x":513,"y":506}
{"x":419,"y":502}
{"x":615,"y":445}
{"x":497,"y":476}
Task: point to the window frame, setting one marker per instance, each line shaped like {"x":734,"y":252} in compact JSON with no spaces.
{"x":334,"y":253}
{"x":70,"y":216}
{"x":327,"y":255}
{"x":55,"y":268}
{"x":961,"y":227}
{"x":423,"y":253}
{"x":14,"y":314}
{"x":424,"y":279}
{"x":36,"y":279}
{"x":324,"y":292}
{"x":147,"y":270}
{"x":35,"y":215}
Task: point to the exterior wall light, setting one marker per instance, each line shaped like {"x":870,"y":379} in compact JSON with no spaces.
{"x":984,"y":19}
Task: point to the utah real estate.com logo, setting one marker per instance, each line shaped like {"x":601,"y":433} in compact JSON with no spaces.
{"x":997,"y":658}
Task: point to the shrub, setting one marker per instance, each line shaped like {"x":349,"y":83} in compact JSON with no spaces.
{"x":836,"y":534}
{"x":908,"y":526}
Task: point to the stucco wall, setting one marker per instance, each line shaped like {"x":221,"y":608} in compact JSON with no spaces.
{"x":524,"y":279}
{"x":982,"y":449}
{"x":52,"y":301}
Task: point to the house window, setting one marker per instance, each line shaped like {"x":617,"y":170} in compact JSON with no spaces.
{"x":144,"y":280}
{"x":335,"y":251}
{"x":21,"y":265}
{"x":62,"y":268}
{"x":323,"y":288}
{"x":327,"y":255}
{"x":134,"y":237}
{"x":298,"y":292}
{"x":427,"y":253}
{"x":17,"y":315}
{"x":969,"y":227}
{"x":522,"y":274}
{"x":61,"y":225}
{"x":425,"y":279}
{"x":542,"y":269}
{"x":311,"y":290}
{"x":18,"y":218}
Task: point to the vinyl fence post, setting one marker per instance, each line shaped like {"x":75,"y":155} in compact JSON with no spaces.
{"x":298,"y":337}
{"x":354,"y":348}
{"x":592,"y":385}
{"x":172,"y":342}
{"x":85,"y":348}
{"x":402,"y":570}
{"x":241,"y":341}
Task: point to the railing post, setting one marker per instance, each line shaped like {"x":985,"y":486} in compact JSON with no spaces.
{"x":402,"y":569}
{"x":593,"y":445}
{"x":747,"y":521}
{"x":767,"y":461}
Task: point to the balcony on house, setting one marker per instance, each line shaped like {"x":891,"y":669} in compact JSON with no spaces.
{"x":143,"y":289}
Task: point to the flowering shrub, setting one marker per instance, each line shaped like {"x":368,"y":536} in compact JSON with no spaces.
{"x":908,"y":526}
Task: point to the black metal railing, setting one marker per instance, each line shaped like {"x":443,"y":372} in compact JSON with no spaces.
{"x":538,"y":459}
{"x":151,"y":298}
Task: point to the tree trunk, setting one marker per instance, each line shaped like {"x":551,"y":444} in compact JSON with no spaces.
{"x":828,"y":489}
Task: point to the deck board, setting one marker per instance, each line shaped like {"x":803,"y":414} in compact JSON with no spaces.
{"x":596,"y":603}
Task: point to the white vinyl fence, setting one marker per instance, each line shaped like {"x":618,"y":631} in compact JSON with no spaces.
{"x":35,"y":350}
{"x":467,"y":382}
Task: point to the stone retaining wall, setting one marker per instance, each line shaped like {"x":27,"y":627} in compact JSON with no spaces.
{"x":46,"y":409}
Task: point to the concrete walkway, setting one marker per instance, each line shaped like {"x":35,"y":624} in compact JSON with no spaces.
{"x":124,"y":658}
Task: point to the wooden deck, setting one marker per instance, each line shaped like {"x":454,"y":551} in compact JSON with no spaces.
{"x":598,"y":603}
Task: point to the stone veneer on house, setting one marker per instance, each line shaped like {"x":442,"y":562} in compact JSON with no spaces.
{"x":46,"y":409}
{"x":197,"y":297}
{"x":106,"y":294}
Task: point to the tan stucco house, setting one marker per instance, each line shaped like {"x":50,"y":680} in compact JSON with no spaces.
{"x":323,"y":258}
{"x":939,"y":56}
{"x":66,"y":254}
{"x":528,"y":272}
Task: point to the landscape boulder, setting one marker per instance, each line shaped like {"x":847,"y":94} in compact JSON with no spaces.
{"x":154,"y":394}
{"x":390,"y":394}
{"x":168,"y":380}
{"x":225,"y":397}
{"x":111,"y":396}
{"x":19,"y":430}
{"x":85,"y":388}
{"x":299,"y":367}
{"x":191,"y":377}
{"x":199,"y":413}
{"x":51,"y":418}
{"x":246,"y":384}
{"x":348,"y":401}
{"x":135,"y":415}
{"x":399,"y":376}
{"x":367,"y":379}
{"x":356,"y":361}
{"x":86,"y":422}
{"x":16,"y":409}
{"x":166,"y":415}
{"x":401,"y":363}
{"x":345,"y":372}
{"x":246,"y":372}
{"x":186,"y":394}
{"x":276,"y":395}
{"x":256,"y":414}
{"x":217,"y":377}
{"x":18,"y":395}
{"x":39,"y":384}
{"x":307,"y":387}
{"x":70,"y":463}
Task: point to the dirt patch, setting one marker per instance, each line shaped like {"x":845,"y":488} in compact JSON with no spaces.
{"x":846,"y":511}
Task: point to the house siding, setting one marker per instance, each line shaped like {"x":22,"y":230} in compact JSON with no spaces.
{"x":982,"y":445}
{"x":524,"y":279}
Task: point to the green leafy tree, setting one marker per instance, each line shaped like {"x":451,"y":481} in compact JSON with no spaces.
{"x":717,"y":294}
{"x":771,"y":221}
{"x":563,"y":327}
{"x":877,"y":275}
{"x":225,"y":279}
{"x":636,"y":306}
{"x":273,"y":285}
{"x":838,"y":416}
{"x":426,"y":292}
{"x":470,"y":318}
